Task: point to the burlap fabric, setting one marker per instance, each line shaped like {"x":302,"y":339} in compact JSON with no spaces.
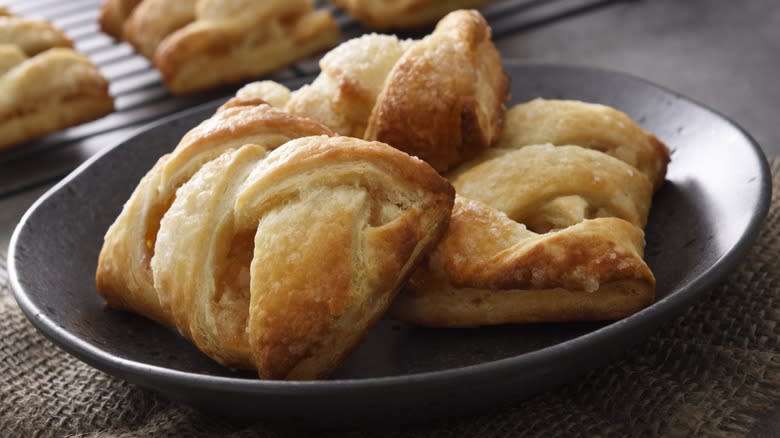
{"x":715,"y":371}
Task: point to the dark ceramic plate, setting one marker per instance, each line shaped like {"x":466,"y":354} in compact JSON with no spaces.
{"x":702,"y":223}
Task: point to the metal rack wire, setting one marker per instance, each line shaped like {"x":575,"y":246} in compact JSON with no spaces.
{"x":141,"y":98}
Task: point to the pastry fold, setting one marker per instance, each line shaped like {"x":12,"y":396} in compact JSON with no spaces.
{"x":399,"y":14}
{"x":544,"y":233}
{"x":46,"y":86}
{"x":441,"y":98}
{"x":269,"y":245}
{"x":201,"y":44}
{"x":124,"y":277}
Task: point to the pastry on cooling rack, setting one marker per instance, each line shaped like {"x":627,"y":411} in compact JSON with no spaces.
{"x":383,"y":14}
{"x":200,"y":44}
{"x":270,"y":245}
{"x":46,"y":86}
{"x":440,"y":98}
{"x":544,"y":233}
{"x":113,"y":15}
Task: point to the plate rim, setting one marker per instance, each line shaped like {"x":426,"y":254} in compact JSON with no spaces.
{"x":643,"y":321}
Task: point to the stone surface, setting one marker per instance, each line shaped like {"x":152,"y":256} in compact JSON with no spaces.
{"x":724,"y":54}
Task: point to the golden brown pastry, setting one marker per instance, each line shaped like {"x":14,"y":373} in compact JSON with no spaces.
{"x":46,"y":86}
{"x":113,"y":15}
{"x":541,"y":233}
{"x":490,"y":270}
{"x":153,"y":20}
{"x":31,"y":36}
{"x":266,"y":258}
{"x":123,"y":277}
{"x":200,"y":44}
{"x":589,"y":125}
{"x":397,"y":14}
{"x":440,"y":98}
{"x":304,"y":251}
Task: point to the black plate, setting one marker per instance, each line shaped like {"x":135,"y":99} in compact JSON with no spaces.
{"x":703,"y":221}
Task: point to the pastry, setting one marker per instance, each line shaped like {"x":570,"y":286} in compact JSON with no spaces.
{"x":31,"y":36}
{"x":590,"y":125}
{"x":306,"y":250}
{"x":201,"y":44}
{"x":271,"y":254}
{"x":383,"y":14}
{"x":113,"y":15}
{"x":404,"y":93}
{"x":544,"y":233}
{"x":123,"y":277}
{"x":46,"y":86}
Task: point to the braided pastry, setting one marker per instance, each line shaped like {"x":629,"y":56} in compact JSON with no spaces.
{"x":124,"y":277}
{"x":278,"y":261}
{"x":383,"y":14}
{"x":46,"y":86}
{"x":545,"y":233}
{"x":200,"y":44}
{"x":440,"y":98}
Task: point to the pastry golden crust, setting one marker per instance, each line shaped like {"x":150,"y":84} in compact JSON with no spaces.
{"x":444,"y":99}
{"x":522,"y":182}
{"x":383,"y":14}
{"x":590,"y":125}
{"x":306,"y":250}
{"x":186,"y":39}
{"x":544,"y":233}
{"x":353,"y":75}
{"x":441,"y":98}
{"x":153,"y":20}
{"x":124,"y":277}
{"x":270,"y":245}
{"x":35,"y":100}
{"x":592,"y":270}
{"x":113,"y":15}
{"x":32,"y":36}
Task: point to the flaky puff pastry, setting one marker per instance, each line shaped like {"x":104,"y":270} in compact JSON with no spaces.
{"x":283,"y":263}
{"x":441,"y":98}
{"x":398,"y":14}
{"x":541,"y":233}
{"x":590,"y":125}
{"x":124,"y":277}
{"x":45,"y":85}
{"x":200,"y":44}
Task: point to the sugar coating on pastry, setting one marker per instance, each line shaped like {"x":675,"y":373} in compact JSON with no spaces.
{"x":123,"y":275}
{"x":545,"y":232}
{"x":397,"y":14}
{"x":352,"y":77}
{"x":45,"y":85}
{"x":522,"y":181}
{"x":489,"y":269}
{"x":305,"y":250}
{"x":590,"y":125}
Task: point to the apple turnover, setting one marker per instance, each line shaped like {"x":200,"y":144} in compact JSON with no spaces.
{"x":399,"y":14}
{"x":441,"y":98}
{"x":201,"y":44}
{"x":272,"y":254}
{"x":544,"y":233}
{"x":46,"y":86}
{"x":124,"y":277}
